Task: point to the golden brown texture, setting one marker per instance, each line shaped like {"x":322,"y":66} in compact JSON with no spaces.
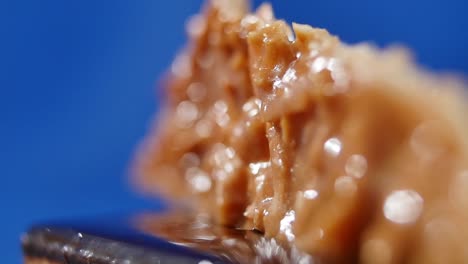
{"x":349,"y":152}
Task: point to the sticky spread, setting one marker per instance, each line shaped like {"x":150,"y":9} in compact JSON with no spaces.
{"x":349,"y":152}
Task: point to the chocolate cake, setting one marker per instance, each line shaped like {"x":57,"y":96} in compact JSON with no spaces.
{"x":350,"y":153}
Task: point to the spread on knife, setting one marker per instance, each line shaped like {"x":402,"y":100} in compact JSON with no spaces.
{"x":349,"y":152}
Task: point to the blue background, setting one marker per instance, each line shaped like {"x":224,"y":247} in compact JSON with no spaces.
{"x":78,"y":80}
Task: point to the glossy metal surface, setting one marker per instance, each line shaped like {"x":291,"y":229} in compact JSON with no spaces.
{"x":154,"y":238}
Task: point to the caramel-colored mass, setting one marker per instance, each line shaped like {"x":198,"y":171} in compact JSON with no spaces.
{"x":349,"y":152}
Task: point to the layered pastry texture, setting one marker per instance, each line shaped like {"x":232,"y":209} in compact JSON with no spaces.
{"x":349,"y":152}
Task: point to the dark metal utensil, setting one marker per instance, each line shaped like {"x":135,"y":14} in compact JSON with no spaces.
{"x":173,"y":237}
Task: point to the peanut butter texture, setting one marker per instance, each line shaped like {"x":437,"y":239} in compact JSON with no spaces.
{"x":350,"y":153}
